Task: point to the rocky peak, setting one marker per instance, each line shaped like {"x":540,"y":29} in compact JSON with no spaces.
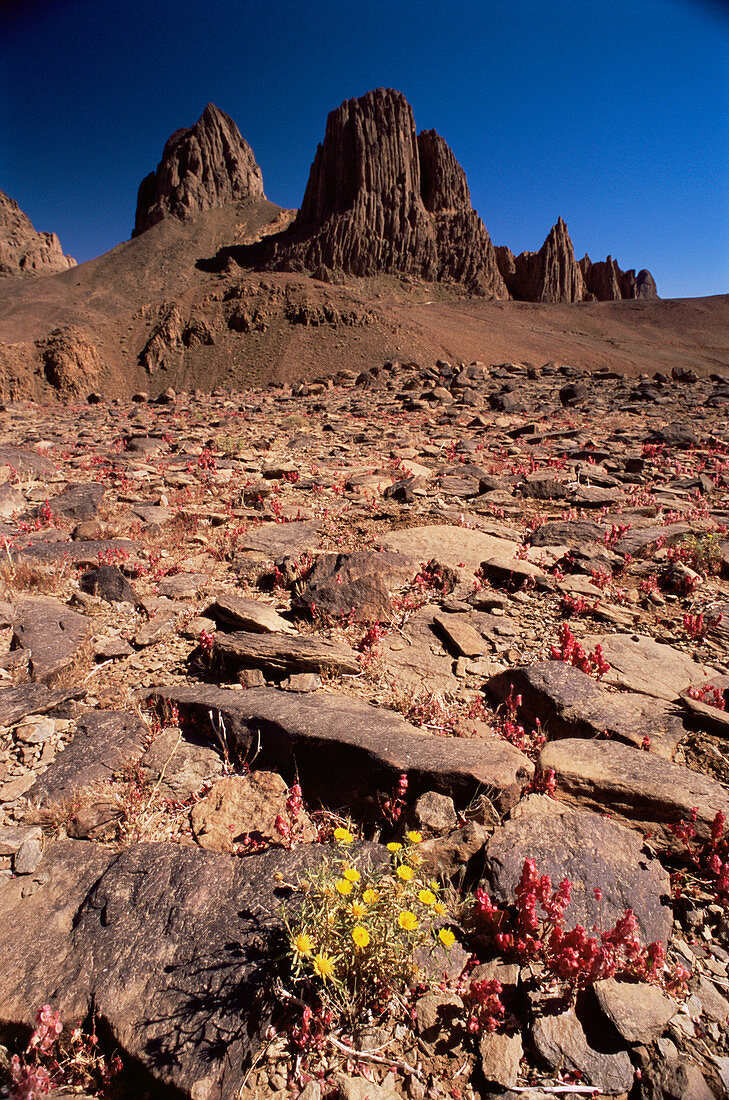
{"x":381,"y":199}
{"x":606,"y":282}
{"x":23,"y":251}
{"x":208,"y":164}
{"x":550,"y":275}
{"x":443,"y":185}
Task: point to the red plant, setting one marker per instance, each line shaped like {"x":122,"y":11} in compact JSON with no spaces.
{"x":570,"y":651}
{"x":535,"y":929}
{"x":394,"y":806}
{"x":575,"y":605}
{"x":291,"y":827}
{"x":708,"y":694}
{"x":50,"y":1063}
{"x":697,"y":627}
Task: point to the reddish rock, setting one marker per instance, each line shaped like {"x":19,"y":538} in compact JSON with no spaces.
{"x":550,"y":275}
{"x":23,"y":251}
{"x":370,"y":208}
{"x":208,"y":164}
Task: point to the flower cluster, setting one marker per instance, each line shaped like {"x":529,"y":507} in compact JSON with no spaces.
{"x":353,"y":941}
{"x":570,"y":651}
{"x":50,"y":1062}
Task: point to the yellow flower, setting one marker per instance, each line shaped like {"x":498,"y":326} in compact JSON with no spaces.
{"x":405,"y":873}
{"x":303,"y":944}
{"x":427,"y":897}
{"x":407,"y":920}
{"x":357,"y":909}
{"x":439,"y":908}
{"x":415,"y":858}
{"x":360,"y":936}
{"x":434,"y":886}
{"x":343,"y":836}
{"x":414,"y":836}
{"x":323,"y":966}
{"x":351,"y":874}
{"x":343,"y":886}
{"x":394,"y":846}
{"x":446,"y":937}
{"x":370,"y":896}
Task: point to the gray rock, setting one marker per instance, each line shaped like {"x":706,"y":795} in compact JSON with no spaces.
{"x":563,"y":1044}
{"x":51,"y":633}
{"x":280,"y":654}
{"x":636,"y":788}
{"x":500,"y":1058}
{"x":569,"y":703}
{"x":252,"y":615}
{"x":639,"y":663}
{"x":434,"y":814}
{"x":349,"y":753}
{"x":593,"y":853}
{"x":675,"y":1080}
{"x":180,"y":766}
{"x":131,"y":934}
{"x":28,"y":856}
{"x":640,"y":1012}
{"x":104,"y":741}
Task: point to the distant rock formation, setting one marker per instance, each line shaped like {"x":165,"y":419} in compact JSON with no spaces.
{"x":208,"y":164}
{"x":553,"y":274}
{"x":549,"y":275}
{"x":379,"y":199}
{"x":23,"y":251}
{"x":606,"y":282}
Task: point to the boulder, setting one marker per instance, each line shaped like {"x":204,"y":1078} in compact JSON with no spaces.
{"x":346,"y":752}
{"x":50,"y":632}
{"x":637,"y":788}
{"x":593,"y":853}
{"x":569,"y":703}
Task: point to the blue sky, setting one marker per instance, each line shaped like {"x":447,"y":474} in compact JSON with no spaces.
{"x":613,"y":114}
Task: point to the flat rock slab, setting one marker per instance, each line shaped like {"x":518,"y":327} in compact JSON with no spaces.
{"x":506,"y":569}
{"x":639,"y":539}
{"x":22,"y":699}
{"x":279,"y":540}
{"x":414,"y":657}
{"x":563,"y":1044}
{"x":104,"y":741}
{"x":281,"y":654}
{"x":78,"y":502}
{"x":51,"y":633}
{"x":638,"y":663}
{"x":639,"y":1011}
{"x":243,"y":614}
{"x":79,"y":552}
{"x":568,"y":703}
{"x":452,"y":546}
{"x":592,"y":852}
{"x":635,"y":787}
{"x":26,"y":462}
{"x":346,"y":752}
{"x":156,"y":935}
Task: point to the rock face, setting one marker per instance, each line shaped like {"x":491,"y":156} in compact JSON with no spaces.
{"x":208,"y":164}
{"x":553,"y":274}
{"x":606,"y":282}
{"x":380,"y":199}
{"x":549,"y":275}
{"x":23,"y":251}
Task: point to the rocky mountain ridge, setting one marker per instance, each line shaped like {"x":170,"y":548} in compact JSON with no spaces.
{"x":23,"y":250}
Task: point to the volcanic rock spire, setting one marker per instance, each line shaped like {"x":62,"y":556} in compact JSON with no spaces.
{"x":381,"y":200}
{"x":208,"y":164}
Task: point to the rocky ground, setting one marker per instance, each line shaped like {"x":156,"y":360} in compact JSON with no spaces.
{"x":508,"y":585}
